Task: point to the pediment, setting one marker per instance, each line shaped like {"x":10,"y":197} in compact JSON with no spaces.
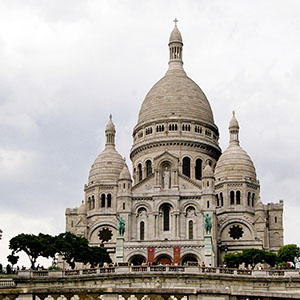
{"x":187,"y":184}
{"x":259,"y":219}
{"x":80,"y":223}
{"x":145,"y":186}
{"x":166,"y":155}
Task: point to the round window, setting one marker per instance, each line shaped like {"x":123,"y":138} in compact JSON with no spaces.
{"x":236,"y":232}
{"x":105,"y":234}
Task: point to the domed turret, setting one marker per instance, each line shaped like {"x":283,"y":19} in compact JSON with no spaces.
{"x":108,"y":165}
{"x":175,"y":34}
{"x":125,"y":174}
{"x":208,"y":172}
{"x":235,"y":163}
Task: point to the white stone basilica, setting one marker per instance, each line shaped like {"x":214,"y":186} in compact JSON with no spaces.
{"x":179,"y":176}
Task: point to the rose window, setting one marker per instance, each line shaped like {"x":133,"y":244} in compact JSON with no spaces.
{"x":236,"y":232}
{"x":105,"y":234}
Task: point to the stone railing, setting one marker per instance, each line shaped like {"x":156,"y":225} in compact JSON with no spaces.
{"x":6,"y":283}
{"x":124,"y":269}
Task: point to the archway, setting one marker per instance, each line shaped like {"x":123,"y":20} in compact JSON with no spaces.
{"x":137,"y":260}
{"x":189,"y":259}
{"x":164,"y":260}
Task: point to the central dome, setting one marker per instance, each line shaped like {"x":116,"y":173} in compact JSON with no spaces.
{"x":176,"y":95}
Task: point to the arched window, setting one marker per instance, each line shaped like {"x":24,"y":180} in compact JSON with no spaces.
{"x":221,"y":198}
{"x":140,"y":172}
{"x":249,"y":198}
{"x":238,"y":197}
{"x":186,"y":166}
{"x":191,"y":228}
{"x":253,"y":199}
{"x":232,"y":198}
{"x":218,"y":201}
{"x":103,"y":200}
{"x":142,"y":231}
{"x":108,"y":200}
{"x":148,"y":168}
{"x":166,"y":217}
{"x":89,"y":203}
{"x":93,"y":202}
{"x":198,"y":169}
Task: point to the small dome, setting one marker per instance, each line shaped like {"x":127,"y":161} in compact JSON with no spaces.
{"x":233,"y":122}
{"x":110,"y":125}
{"x":82,"y":208}
{"x":125,"y":174}
{"x":235,"y":163}
{"x":208,"y":171}
{"x":107,"y":167}
{"x":175,"y":36}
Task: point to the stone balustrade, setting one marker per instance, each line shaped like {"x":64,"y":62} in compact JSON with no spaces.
{"x":158,"y":269}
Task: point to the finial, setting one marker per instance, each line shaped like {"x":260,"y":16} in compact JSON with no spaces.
{"x":175,"y":21}
{"x":233,"y":113}
{"x":110,"y":116}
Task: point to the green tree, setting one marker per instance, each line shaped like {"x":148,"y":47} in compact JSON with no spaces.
{"x":252,"y":256}
{"x":232,"y":260}
{"x":73,"y":248}
{"x":97,"y":256}
{"x":270,"y":258}
{"x":288,"y":253}
{"x":13,"y":259}
{"x":29,"y":243}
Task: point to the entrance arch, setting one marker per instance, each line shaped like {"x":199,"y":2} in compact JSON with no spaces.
{"x":137,"y":260}
{"x":163,"y":260}
{"x":189,"y":258}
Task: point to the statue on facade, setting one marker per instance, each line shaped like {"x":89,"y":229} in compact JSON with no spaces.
{"x":121,"y":225}
{"x":207,"y":223}
{"x":166,"y":178}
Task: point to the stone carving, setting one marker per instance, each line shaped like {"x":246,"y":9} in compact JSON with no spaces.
{"x":166,"y":178}
{"x":207,"y":223}
{"x":121,"y":225}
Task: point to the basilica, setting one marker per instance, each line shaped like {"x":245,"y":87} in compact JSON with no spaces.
{"x":180,"y":178}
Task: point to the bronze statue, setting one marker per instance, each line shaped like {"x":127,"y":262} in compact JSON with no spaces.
{"x":121,"y":225}
{"x":207,"y":223}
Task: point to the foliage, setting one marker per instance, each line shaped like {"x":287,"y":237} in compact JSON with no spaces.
{"x":232,"y":260}
{"x":71,"y":247}
{"x":250,"y":257}
{"x":288,"y":253}
{"x":13,"y":259}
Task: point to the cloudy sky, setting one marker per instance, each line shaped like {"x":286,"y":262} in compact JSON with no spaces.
{"x":66,"y":65}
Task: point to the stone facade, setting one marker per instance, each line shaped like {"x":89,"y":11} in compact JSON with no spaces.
{"x":179,"y":175}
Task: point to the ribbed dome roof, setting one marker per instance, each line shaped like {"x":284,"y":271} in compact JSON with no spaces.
{"x":176,"y":95}
{"x":107,"y":167}
{"x":175,"y":35}
{"x":235,"y":163}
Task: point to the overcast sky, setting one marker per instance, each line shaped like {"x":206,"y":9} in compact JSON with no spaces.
{"x":66,"y":65}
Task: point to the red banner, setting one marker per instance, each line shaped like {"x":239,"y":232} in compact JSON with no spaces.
{"x":151,"y":254}
{"x":176,"y":251}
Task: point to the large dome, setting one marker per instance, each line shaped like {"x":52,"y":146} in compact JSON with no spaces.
{"x":176,"y":95}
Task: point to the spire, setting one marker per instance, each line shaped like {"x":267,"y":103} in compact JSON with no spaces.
{"x":234,"y":130}
{"x":110,"y":132}
{"x":175,"y":48}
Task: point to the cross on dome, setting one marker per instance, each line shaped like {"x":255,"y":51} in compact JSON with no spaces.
{"x":175,"y":21}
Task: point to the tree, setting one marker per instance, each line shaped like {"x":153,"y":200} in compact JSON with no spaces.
{"x":98,"y":256}
{"x":73,"y":248}
{"x":288,"y":253}
{"x":13,"y":259}
{"x":232,"y":260}
{"x":252,"y":256}
{"x":29,"y":243}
